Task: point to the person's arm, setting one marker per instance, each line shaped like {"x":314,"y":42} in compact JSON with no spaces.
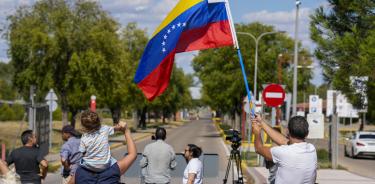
{"x":3,"y":168}
{"x":44,"y":167}
{"x":191,"y":178}
{"x":9,"y":159}
{"x":127,"y":161}
{"x":276,"y":136}
{"x":144,"y":161}
{"x":64,"y":154}
{"x":173,"y":162}
{"x":259,"y":148}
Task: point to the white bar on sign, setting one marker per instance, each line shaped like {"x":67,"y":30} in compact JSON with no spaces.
{"x":274,"y":95}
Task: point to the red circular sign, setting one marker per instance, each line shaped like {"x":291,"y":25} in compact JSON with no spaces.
{"x":273,"y":95}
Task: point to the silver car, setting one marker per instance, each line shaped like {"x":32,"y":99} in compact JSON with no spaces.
{"x":360,"y":144}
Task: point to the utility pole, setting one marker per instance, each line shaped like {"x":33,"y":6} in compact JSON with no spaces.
{"x":294,"y":112}
{"x":334,"y":134}
{"x":31,"y":108}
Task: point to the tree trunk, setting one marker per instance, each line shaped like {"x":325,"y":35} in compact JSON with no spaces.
{"x":164,"y":115}
{"x":64,"y":108}
{"x":116,"y":114}
{"x":142,"y":121}
{"x":73,"y":120}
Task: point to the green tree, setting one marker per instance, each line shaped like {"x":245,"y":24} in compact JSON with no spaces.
{"x":134,"y":41}
{"x":345,"y":38}
{"x":71,"y":47}
{"x":7,"y":92}
{"x":220,"y":73}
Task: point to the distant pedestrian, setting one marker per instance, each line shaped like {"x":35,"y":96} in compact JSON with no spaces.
{"x":112,"y":174}
{"x":7,"y":176}
{"x":70,"y":154}
{"x":193,"y":173}
{"x":295,"y":159}
{"x":27,"y":160}
{"x":158,"y":159}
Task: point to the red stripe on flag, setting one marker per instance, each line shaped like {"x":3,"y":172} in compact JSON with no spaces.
{"x":212,"y":35}
{"x":157,"y":81}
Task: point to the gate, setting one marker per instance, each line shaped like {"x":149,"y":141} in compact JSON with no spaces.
{"x":41,"y":124}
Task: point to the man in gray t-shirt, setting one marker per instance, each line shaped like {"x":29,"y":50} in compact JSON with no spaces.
{"x":158,"y":160}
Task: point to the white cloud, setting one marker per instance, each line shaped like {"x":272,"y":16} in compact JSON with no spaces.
{"x":285,"y":21}
{"x":147,"y":13}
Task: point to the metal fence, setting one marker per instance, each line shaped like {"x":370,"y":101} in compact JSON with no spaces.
{"x":41,"y":123}
{"x":210,"y":166}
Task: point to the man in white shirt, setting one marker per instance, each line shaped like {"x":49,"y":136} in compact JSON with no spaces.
{"x":296,"y":159}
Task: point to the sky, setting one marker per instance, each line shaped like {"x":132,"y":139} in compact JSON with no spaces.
{"x":149,"y":13}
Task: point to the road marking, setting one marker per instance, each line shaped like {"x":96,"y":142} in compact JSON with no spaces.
{"x":274,"y":95}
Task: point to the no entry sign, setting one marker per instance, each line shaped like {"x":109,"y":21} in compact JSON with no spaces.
{"x":273,"y":95}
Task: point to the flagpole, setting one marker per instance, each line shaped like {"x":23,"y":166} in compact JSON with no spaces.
{"x":236,"y":45}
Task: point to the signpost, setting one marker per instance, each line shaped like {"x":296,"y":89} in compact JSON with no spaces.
{"x":51,"y":101}
{"x":316,"y":125}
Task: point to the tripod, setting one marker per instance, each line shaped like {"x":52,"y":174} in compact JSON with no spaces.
{"x":235,"y":156}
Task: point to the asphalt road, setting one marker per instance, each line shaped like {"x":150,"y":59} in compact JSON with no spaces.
{"x":363,"y":166}
{"x":200,"y":132}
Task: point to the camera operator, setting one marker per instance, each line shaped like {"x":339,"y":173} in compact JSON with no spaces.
{"x":295,"y":159}
{"x":158,"y":160}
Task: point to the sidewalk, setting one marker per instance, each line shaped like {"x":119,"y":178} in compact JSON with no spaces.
{"x":325,"y":176}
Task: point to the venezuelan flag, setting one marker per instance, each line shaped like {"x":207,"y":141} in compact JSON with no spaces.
{"x":191,"y":25}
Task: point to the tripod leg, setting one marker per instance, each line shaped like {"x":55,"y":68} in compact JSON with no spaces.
{"x":239,"y":168}
{"x":227,"y":171}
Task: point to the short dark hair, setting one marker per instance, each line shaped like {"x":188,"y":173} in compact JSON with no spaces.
{"x":25,"y":136}
{"x":160,"y":133}
{"x":197,"y":151}
{"x":90,"y":121}
{"x":298,"y":127}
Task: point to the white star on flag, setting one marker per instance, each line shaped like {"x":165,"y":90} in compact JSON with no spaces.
{"x":165,"y":36}
{"x":184,"y":24}
{"x":173,"y":27}
{"x":169,"y":31}
{"x":163,"y":50}
{"x":179,"y":24}
{"x":163,"y":43}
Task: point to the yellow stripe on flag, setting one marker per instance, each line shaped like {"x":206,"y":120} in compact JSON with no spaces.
{"x":181,"y":7}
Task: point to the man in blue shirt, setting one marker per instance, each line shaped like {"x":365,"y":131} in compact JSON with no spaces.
{"x":70,"y":155}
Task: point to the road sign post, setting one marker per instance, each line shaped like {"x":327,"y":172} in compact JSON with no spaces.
{"x":51,"y":101}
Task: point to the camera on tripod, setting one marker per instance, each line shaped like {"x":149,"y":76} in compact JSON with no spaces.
{"x":234,"y":137}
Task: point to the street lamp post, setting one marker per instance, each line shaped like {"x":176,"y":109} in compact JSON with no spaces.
{"x":294,"y":112}
{"x":256,"y":54}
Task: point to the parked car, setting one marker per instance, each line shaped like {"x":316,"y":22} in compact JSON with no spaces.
{"x":360,"y":144}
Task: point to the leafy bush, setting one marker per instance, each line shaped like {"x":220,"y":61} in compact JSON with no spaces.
{"x":8,"y":113}
{"x":57,"y":115}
